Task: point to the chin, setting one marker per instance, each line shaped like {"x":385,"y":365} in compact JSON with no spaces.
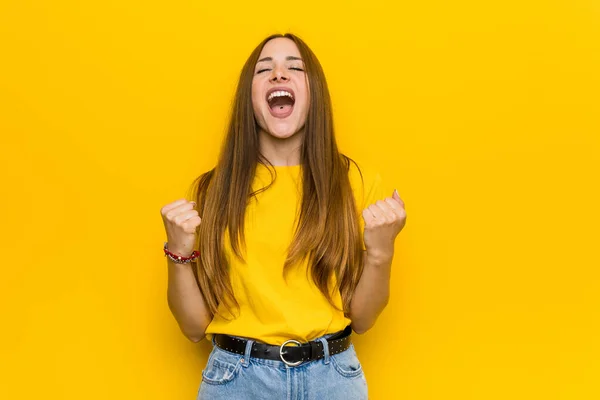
{"x":282,"y":131}
{"x":281,"y":134}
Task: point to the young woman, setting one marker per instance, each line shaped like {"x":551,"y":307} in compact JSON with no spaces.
{"x":286,"y":266}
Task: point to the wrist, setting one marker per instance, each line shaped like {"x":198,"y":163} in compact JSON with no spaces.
{"x":380,"y":256}
{"x":180,"y":256}
{"x":179,"y":251}
{"x":184,"y":251}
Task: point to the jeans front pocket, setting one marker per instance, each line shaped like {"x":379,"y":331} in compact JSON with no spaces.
{"x":346,"y":363}
{"x":222,"y":367}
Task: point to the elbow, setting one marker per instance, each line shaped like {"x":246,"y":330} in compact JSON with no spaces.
{"x":194,"y":335}
{"x":195,"y":338}
{"x":360,"y":329}
{"x":362,"y":324}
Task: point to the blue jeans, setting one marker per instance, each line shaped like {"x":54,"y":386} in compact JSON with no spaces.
{"x":230,"y":376}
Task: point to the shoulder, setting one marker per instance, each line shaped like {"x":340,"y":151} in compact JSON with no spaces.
{"x":366,"y":181}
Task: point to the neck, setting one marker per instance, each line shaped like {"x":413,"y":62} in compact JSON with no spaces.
{"x":278,"y":151}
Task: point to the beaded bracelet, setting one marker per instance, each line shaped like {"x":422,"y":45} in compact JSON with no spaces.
{"x":179,"y":259}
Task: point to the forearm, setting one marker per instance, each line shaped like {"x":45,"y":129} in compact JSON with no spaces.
{"x":372,"y":292}
{"x":186,"y":302}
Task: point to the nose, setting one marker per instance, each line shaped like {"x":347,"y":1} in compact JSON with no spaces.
{"x":279,"y":74}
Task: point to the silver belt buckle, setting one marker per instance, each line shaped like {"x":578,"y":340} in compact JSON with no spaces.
{"x":291,"y":364}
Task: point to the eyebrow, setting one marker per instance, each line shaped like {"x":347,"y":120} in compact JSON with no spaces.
{"x":288,"y":58}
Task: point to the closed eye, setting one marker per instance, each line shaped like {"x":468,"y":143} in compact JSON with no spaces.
{"x":268,"y":69}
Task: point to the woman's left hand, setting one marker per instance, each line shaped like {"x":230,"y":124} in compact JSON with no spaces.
{"x":383,"y":222}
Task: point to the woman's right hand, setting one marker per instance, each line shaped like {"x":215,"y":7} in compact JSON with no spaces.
{"x":181,"y":220}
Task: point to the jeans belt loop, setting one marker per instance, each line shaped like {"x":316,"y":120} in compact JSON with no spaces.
{"x":246,"y":359}
{"x":325,"y":350}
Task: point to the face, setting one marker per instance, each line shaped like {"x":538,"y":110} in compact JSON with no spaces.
{"x":280,"y":89}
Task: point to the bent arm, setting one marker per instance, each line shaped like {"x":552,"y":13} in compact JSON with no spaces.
{"x":186,"y":302}
{"x":372,"y":291}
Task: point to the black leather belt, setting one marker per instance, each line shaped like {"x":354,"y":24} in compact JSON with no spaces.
{"x":291,"y":355}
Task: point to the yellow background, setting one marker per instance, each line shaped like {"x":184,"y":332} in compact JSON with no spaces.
{"x":484,"y":115}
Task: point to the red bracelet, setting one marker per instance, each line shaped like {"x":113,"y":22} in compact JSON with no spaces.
{"x":179,"y":259}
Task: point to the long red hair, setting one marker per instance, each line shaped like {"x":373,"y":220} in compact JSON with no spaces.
{"x":327,"y":229}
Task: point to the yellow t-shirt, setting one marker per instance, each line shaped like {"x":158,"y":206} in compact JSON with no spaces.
{"x":271,"y":310}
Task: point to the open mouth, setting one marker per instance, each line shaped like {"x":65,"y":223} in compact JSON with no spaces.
{"x":281,"y":102}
